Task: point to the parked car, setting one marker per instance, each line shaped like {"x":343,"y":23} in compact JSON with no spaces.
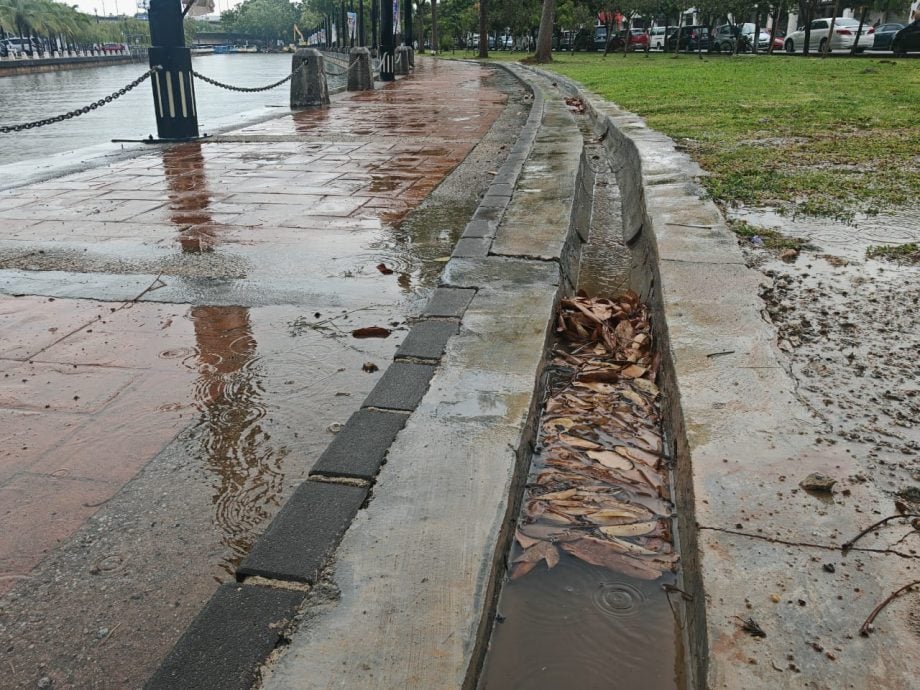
{"x":883,"y":35}
{"x":724,"y":38}
{"x":907,"y":39}
{"x":779,"y":41}
{"x":657,"y":38}
{"x":636,"y":39}
{"x":843,"y":39}
{"x":689,"y":38}
{"x":506,"y":42}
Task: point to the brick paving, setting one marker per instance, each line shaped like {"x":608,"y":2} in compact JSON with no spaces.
{"x":100,"y":377}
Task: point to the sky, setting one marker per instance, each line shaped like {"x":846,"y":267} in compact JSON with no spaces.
{"x":128,"y":7}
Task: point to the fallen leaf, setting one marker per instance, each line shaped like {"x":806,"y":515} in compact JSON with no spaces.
{"x":442,"y":259}
{"x":635,"y":529}
{"x":525,"y":541}
{"x":633,"y":371}
{"x":610,"y":459}
{"x":542,"y":550}
{"x":597,"y":552}
{"x":557,"y":495}
{"x":521,"y":569}
{"x":371,"y":332}
{"x":617,"y":516}
{"x":384,"y":269}
{"x":646,"y":386}
{"x":369,"y":367}
{"x":576,"y":442}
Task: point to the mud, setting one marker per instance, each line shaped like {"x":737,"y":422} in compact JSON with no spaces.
{"x":850,"y":330}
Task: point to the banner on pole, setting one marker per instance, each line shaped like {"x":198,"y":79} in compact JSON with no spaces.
{"x":352,"y":24}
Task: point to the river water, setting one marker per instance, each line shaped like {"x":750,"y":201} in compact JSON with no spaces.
{"x":29,"y":97}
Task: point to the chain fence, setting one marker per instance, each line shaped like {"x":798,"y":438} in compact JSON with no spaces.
{"x":249,"y":89}
{"x":7,"y":129}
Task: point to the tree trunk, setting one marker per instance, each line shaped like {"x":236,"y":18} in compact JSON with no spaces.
{"x":609,"y":25}
{"x":756,"y":31}
{"x":830,"y":32}
{"x":545,"y":37}
{"x":777,"y":14}
{"x":862,"y":20}
{"x":434,"y":27}
{"x":483,"y":28}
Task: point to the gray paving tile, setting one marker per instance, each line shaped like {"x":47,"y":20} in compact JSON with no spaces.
{"x":360,"y":448}
{"x":229,"y":640}
{"x":472,"y":246}
{"x":303,"y":535}
{"x":427,"y":339}
{"x":449,"y":302}
{"x":401,"y":387}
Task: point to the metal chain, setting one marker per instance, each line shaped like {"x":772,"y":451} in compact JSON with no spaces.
{"x":246,"y":89}
{"x":345,"y":70}
{"x":6,"y":129}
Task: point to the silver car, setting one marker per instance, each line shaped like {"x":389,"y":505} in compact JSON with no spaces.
{"x":843,"y":39}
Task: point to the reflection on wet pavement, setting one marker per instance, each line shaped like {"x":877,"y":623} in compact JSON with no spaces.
{"x":188,"y":408}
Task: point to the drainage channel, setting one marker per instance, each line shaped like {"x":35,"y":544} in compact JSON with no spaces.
{"x":592,"y":597}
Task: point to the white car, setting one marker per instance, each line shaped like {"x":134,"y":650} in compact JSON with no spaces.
{"x":843,"y":38}
{"x":656,"y":37}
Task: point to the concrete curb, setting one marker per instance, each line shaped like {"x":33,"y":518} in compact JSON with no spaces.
{"x":304,"y":535}
{"x":738,"y":429}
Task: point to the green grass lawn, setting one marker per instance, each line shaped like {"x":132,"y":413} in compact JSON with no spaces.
{"x":820,"y":136}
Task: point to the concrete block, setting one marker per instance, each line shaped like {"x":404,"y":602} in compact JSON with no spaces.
{"x":229,"y":640}
{"x":360,"y":448}
{"x":449,"y":302}
{"x":480,"y":228}
{"x":308,"y":86}
{"x":401,"y":62}
{"x":427,"y":339}
{"x":472,"y":246}
{"x":401,"y":387}
{"x":360,"y":72}
{"x":304,"y":533}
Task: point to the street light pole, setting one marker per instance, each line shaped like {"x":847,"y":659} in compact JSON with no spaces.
{"x":387,"y":42}
{"x":173,"y":87}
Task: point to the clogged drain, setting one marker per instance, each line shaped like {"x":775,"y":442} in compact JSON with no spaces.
{"x":593,"y":561}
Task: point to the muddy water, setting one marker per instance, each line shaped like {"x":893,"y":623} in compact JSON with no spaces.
{"x":578,"y":625}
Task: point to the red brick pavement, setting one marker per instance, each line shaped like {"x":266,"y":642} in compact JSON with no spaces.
{"x":93,"y":390}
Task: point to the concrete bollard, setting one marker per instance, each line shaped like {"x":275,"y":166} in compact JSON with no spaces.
{"x":360,"y":75}
{"x":308,"y":86}
{"x":401,"y":65}
{"x":411,"y":57}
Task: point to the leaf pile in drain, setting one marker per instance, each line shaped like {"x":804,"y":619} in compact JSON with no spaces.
{"x":602,"y":494}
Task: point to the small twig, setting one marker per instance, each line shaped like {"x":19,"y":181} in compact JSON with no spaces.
{"x":110,"y":633}
{"x":866,"y":627}
{"x":691,"y":225}
{"x":749,"y":625}
{"x":847,"y":545}
{"x":719,"y":354}
{"x":669,"y":588}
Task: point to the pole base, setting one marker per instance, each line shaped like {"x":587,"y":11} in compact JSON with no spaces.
{"x":162,"y":140}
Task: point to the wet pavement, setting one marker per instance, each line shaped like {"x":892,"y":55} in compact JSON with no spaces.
{"x":176,"y":350}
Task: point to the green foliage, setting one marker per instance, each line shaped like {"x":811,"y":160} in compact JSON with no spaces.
{"x":902,"y":253}
{"x":264,"y":19}
{"x":772,"y":239}
{"x":823,"y":137}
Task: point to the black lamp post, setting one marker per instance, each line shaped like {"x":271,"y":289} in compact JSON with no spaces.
{"x":173,"y":86}
{"x":387,"y":42}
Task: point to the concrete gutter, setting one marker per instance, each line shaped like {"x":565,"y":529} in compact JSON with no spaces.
{"x":754,"y":545}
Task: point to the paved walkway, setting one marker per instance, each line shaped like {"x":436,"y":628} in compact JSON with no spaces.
{"x":175,"y":344}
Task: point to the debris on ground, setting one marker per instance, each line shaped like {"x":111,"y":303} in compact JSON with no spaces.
{"x":602,"y":495}
{"x":371,"y":332}
{"x":575,"y":104}
{"x":819,"y":483}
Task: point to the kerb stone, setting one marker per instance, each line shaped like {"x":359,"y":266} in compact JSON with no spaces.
{"x":227,"y":643}
{"x":449,"y":302}
{"x":401,"y":387}
{"x":305,"y":533}
{"x":359,"y":449}
{"x":427,"y":339}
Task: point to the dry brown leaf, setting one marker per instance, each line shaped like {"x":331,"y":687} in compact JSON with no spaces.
{"x":525,"y":541}
{"x":619,"y":515}
{"x":646,"y":386}
{"x":633,"y":371}
{"x":542,"y":550}
{"x":384,"y":269}
{"x":597,"y":552}
{"x":371,"y":332}
{"x":610,"y":459}
{"x":554,"y":532}
{"x":576,"y":442}
{"x":521,"y":569}
{"x":635,"y":529}
{"x":558,"y":495}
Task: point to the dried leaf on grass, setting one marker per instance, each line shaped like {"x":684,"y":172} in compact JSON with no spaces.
{"x":602,"y":494}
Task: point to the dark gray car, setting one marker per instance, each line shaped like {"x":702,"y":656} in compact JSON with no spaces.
{"x":883,"y":35}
